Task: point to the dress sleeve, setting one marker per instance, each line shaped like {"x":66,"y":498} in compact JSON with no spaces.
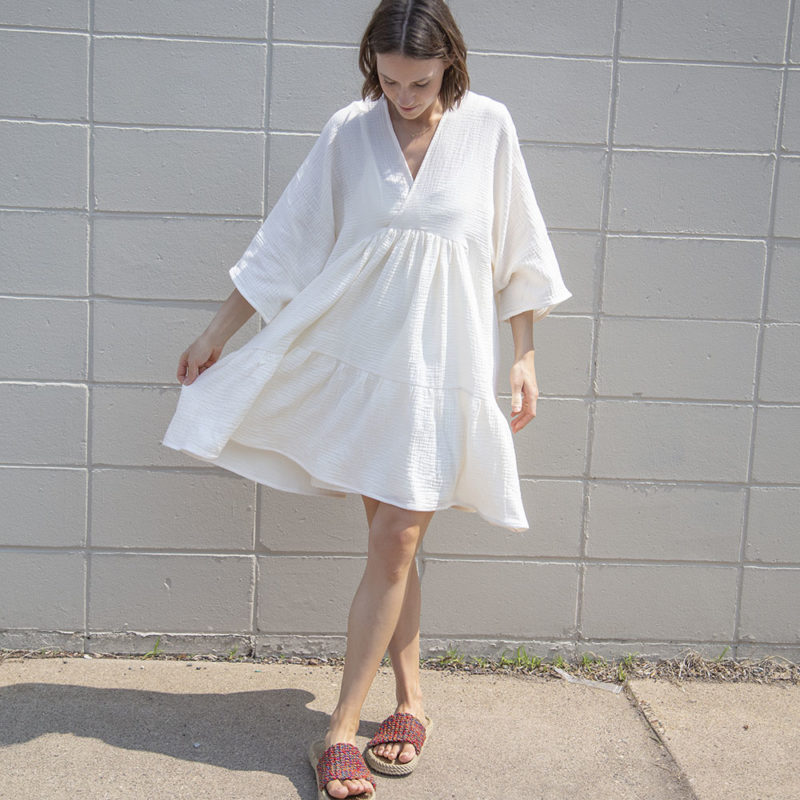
{"x":295,"y":240}
{"x":525,"y":271}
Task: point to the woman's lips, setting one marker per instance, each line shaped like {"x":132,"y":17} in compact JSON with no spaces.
{"x":411,"y":108}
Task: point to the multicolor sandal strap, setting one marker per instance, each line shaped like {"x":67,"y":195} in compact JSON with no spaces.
{"x":342,"y":761}
{"x":400,"y":727}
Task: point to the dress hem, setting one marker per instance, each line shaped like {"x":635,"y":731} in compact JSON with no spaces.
{"x":331,"y":493}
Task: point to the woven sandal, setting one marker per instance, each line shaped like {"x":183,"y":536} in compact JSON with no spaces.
{"x":398,"y":727}
{"x":341,"y":761}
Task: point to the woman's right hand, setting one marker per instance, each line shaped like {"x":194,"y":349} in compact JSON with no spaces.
{"x":198,"y":357}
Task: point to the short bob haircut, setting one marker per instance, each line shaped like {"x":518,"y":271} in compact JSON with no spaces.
{"x":417,"y":29}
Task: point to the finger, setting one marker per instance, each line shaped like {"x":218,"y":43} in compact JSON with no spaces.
{"x":516,"y":399}
{"x":520,"y":422}
{"x":181,"y":373}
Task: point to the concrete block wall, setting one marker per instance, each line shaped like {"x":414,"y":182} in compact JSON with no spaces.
{"x":144,"y":141}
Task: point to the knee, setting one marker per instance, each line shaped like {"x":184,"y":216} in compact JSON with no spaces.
{"x":393,"y":545}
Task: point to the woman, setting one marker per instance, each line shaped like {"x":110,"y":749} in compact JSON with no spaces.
{"x":407,"y":233}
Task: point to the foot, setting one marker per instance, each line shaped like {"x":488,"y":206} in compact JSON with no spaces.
{"x":402,"y":751}
{"x":346,"y":788}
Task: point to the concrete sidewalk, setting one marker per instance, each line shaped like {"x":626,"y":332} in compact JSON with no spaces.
{"x":127,"y":728}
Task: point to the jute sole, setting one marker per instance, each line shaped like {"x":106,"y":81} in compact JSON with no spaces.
{"x":386,"y":767}
{"x":315,"y":751}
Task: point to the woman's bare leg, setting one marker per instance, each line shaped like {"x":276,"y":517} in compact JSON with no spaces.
{"x":404,"y":653}
{"x":394,"y":536}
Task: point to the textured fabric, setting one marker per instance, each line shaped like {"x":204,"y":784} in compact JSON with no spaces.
{"x":342,"y":761}
{"x":400,"y":727}
{"x":377,"y":370}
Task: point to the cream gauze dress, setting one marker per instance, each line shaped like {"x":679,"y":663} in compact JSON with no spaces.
{"x":376,"y":371}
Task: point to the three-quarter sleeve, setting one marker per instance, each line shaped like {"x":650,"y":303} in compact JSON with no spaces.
{"x":525,"y":271}
{"x":296,"y":238}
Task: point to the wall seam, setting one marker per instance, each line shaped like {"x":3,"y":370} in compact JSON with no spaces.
{"x":578,"y":635}
{"x":773,"y":200}
{"x":89,"y":331}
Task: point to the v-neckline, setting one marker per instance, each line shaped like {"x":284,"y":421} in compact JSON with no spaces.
{"x":399,"y":150}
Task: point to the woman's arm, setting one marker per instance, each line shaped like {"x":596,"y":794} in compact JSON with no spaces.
{"x":207,"y":348}
{"x":232,"y":314}
{"x":524,"y":391}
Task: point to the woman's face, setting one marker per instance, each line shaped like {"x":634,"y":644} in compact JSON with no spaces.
{"x":412,"y":85}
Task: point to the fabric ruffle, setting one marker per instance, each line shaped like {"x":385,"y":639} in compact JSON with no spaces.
{"x":320,"y":425}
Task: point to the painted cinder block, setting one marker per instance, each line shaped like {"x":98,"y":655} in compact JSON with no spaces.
{"x":184,"y":510}
{"x":142,"y":342}
{"x":46,"y":14}
{"x":705,"y":30}
{"x":41,"y":590}
{"x":578,"y":257}
{"x":553,"y":443}
{"x":286,"y":154}
{"x":776,"y":455}
{"x":579,"y":27}
{"x":659,"y":601}
{"x":773,"y":524}
{"x":43,"y":424}
{"x":43,"y":507}
{"x":698,"y":193}
{"x":169,"y":82}
{"x":794,"y":56}
{"x":56,"y":178}
{"x":44,"y":74}
{"x":553,"y":508}
{"x":770,"y":599}
{"x":664,"y":521}
{"x":170,"y":593}
{"x":790,"y":138}
{"x":202,"y":172}
{"x":563,"y":354}
{"x":128,"y":423}
{"x":671,"y":441}
{"x":300,"y":104}
{"x":690,"y":359}
{"x":569,"y":183}
{"x":575,"y":92}
{"x":44,"y":252}
{"x":172,"y":258}
{"x":780,"y":380}
{"x":245,"y":19}
{"x":783,"y":304}
{"x":697,"y":106}
{"x":44,"y":339}
{"x":543,"y":598}
{"x":291,"y":522}
{"x":787,"y":203}
{"x":322,"y":607}
{"x":320,"y":20}
{"x":684,"y":277}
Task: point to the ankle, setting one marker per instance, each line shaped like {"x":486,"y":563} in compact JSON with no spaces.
{"x":409,"y":701}
{"x":411,"y":696}
{"x":343,"y":726}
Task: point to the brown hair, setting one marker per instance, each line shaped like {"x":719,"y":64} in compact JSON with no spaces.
{"x":418,"y":29}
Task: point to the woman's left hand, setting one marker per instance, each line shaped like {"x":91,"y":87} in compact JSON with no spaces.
{"x":524,"y":392}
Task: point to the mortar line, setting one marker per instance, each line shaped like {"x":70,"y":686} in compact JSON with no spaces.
{"x":670,"y":482}
{"x":597,"y":306}
{"x":90,"y":328}
{"x":762,"y":329}
{"x":258,"y":511}
{"x":254,"y":40}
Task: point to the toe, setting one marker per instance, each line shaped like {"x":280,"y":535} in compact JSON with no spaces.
{"x":335,"y":788}
{"x":407,"y":753}
{"x":357,"y":786}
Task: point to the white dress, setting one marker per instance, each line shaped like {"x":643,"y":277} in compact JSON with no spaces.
{"x":377,"y":369}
